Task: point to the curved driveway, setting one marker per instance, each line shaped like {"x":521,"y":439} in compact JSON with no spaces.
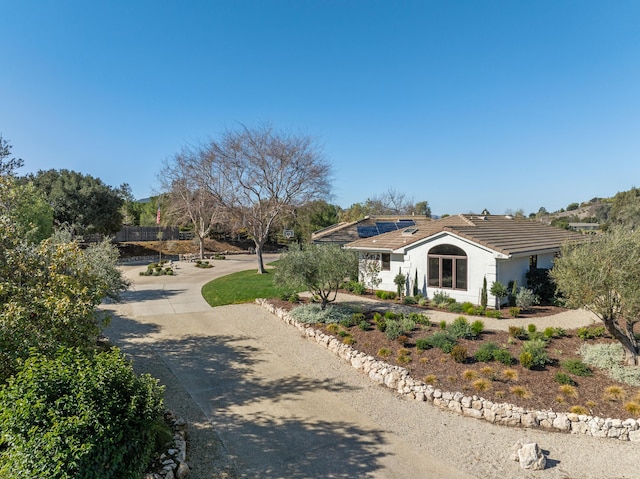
{"x":263,"y":402}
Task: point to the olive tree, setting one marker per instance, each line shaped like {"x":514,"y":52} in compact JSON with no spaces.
{"x":259,"y":174}
{"x":603,"y":276}
{"x":320,"y":269}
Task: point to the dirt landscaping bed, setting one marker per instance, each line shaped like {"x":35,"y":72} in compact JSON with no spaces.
{"x":529,"y":388}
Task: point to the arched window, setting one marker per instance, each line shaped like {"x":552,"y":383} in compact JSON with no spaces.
{"x":447,"y":267}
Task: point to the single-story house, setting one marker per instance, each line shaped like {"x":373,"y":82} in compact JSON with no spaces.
{"x":454,"y":254}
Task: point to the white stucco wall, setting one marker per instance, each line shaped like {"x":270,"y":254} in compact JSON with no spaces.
{"x":481,"y":262}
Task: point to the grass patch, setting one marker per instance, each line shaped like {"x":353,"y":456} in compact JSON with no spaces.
{"x":241,"y":287}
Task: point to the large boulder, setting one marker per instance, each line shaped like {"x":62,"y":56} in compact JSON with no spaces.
{"x":529,"y":456}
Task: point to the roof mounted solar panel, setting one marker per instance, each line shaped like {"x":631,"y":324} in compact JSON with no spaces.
{"x":367,"y":231}
{"x":385,"y":226}
{"x":405,"y":223}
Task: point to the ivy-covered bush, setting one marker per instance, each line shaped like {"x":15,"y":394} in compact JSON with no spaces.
{"x":79,"y":416}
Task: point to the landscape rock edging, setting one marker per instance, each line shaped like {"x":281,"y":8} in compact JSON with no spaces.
{"x":398,"y":378}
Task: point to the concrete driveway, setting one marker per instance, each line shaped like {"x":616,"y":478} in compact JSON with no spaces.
{"x":282,"y":407}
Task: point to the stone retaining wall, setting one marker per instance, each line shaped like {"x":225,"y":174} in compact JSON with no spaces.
{"x":398,"y":379}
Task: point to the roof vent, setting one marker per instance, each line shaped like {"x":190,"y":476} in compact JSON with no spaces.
{"x":509,"y":217}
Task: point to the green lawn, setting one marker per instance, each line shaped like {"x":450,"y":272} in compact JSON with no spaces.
{"x":241,"y":287}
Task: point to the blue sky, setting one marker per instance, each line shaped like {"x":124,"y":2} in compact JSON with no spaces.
{"x":503,"y":105}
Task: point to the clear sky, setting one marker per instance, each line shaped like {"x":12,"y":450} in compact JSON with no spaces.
{"x":474,"y":104}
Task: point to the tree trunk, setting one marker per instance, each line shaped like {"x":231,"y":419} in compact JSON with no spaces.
{"x":201,"y":245}
{"x":261,"y":269}
{"x":629,"y":345}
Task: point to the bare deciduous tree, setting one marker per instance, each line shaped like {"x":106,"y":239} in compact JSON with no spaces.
{"x":188,"y":200}
{"x":259,"y":174}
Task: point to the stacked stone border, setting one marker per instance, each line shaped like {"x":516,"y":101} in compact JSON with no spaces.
{"x":398,"y":379}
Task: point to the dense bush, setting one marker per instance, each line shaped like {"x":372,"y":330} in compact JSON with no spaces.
{"x":78,"y":416}
{"x":564,"y":378}
{"x":441,"y":340}
{"x":485,"y":352}
{"x":459,"y":353}
{"x":355,"y":287}
{"x":525,"y":299}
{"x":398,"y":327}
{"x":313,"y":313}
{"x":460,"y":328}
{"x":422,"y":344}
{"x":592,"y":332}
{"x":535,"y":354}
{"x":577,"y":367}
{"x":541,"y":284}
{"x":609,"y":357}
{"x":385,"y":295}
{"x":490,"y":351}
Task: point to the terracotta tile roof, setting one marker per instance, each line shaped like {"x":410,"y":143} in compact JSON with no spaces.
{"x":503,"y":234}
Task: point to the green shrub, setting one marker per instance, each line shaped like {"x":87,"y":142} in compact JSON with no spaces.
{"x":363,"y":325}
{"x":78,"y":416}
{"x":443,"y":325}
{"x":407,"y":324}
{"x":592,"y":332}
{"x":459,"y":353}
{"x":537,"y":350}
{"x":550,"y":332}
{"x":393,"y":329}
{"x":398,"y":327}
{"x":348,"y":322}
{"x":503,"y":356}
{"x":540,"y":284}
{"x":526,"y":360}
{"x":422,"y":344}
{"x":514,"y":311}
{"x":468,"y":308}
{"x":441,"y":340}
{"x":517,"y":332}
{"x":455,"y":308}
{"x":355,"y":287}
{"x":531,"y":328}
{"x":460,"y":328}
{"x":409,"y":300}
{"x":564,"y":378}
{"x":492,"y":313}
{"x":577,"y":367}
{"x":420,"y":319}
{"x":525,"y":299}
{"x":313,"y":313}
{"x":485,"y":352}
{"x":385,"y":295}
{"x":294,"y":298}
{"x":391,"y":315}
{"x":477,"y":328}
{"x":609,"y":358}
{"x":441,"y":299}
